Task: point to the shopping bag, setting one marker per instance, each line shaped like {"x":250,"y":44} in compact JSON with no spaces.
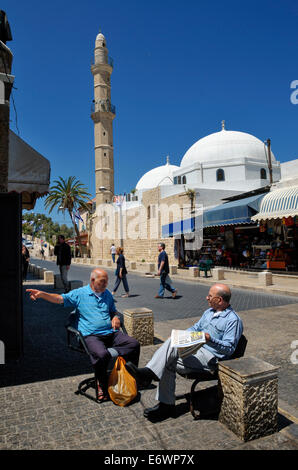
{"x":122,"y":386}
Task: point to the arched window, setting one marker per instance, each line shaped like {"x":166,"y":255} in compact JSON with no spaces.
{"x":220,"y":175}
{"x":179,"y":179}
{"x":263,"y":174}
{"x":183,"y":179}
{"x":175,"y":179}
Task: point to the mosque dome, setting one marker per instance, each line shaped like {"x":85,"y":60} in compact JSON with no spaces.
{"x":159,"y":176}
{"x":226,"y":145}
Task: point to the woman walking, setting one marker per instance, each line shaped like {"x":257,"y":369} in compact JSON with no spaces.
{"x":121,"y":273}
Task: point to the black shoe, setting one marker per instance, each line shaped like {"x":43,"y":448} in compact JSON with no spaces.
{"x":159,"y":412}
{"x":143,"y":376}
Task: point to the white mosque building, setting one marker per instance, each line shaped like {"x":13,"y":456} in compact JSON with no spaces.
{"x":217,"y":166}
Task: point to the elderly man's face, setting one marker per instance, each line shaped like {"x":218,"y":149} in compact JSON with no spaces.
{"x":100,"y":283}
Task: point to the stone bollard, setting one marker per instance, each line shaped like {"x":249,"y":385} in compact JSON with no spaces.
{"x":249,"y":398}
{"x":265,"y":278}
{"x":98,"y":261}
{"x":41,"y":273}
{"x":48,"y":276}
{"x":31,"y":268}
{"x":139,"y":324}
{"x":133,"y":265}
{"x":193,"y":271}
{"x":108,"y":262}
{"x":173,"y":269}
{"x":218,"y":274}
{"x":36,"y":271}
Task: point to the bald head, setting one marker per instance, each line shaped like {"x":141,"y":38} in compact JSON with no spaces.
{"x":99,"y":280}
{"x":223,"y":291}
{"x":219,"y":296}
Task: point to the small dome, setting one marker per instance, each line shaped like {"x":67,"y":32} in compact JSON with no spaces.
{"x":159,"y":176}
{"x":226,"y":145}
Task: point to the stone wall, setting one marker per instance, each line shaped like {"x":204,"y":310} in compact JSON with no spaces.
{"x":141,"y":232}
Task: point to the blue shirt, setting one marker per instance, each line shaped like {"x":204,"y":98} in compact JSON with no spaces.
{"x":163,"y":257}
{"x":95,"y":311}
{"x":225,"y":329}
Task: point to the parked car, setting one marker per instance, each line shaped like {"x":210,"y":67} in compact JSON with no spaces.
{"x":28,"y":244}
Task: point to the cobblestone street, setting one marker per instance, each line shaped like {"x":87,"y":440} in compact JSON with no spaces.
{"x":41,"y":411}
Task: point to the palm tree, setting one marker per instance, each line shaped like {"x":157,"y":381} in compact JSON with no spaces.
{"x":68,"y":195}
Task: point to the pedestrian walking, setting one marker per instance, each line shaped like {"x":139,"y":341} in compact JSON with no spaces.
{"x":163,"y":272}
{"x":120,"y":273}
{"x":63,"y":253}
{"x":113,"y":252}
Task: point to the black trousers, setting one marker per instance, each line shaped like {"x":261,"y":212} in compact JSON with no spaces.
{"x":127,"y":347}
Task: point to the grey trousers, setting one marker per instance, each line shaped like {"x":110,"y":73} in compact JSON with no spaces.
{"x":166,"y":362}
{"x":63,"y":273}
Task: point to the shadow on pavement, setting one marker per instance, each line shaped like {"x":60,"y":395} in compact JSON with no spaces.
{"x":46,"y":355}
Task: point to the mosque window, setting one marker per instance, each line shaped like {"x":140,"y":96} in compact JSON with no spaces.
{"x":184,"y":179}
{"x":220,"y":175}
{"x":175,"y":179}
{"x":179,"y":179}
{"x":263,"y":174}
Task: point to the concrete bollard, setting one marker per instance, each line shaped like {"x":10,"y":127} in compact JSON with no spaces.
{"x":265,"y":278}
{"x":132,"y":265}
{"x":218,"y":274}
{"x":173,"y":269}
{"x":41,"y":273}
{"x":48,"y":276}
{"x":193,"y":271}
{"x":139,"y":324}
{"x":108,"y":262}
{"x":98,"y":262}
{"x":31,"y":268}
{"x":247,"y":389}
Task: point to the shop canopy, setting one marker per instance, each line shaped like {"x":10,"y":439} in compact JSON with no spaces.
{"x":279,"y":203}
{"x":177,"y":228}
{"x":236,"y":212}
{"x":28,"y":171}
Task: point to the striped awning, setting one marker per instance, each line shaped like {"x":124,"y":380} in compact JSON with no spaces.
{"x":279,"y":203}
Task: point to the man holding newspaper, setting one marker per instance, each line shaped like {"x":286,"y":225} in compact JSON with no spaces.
{"x":221,"y":329}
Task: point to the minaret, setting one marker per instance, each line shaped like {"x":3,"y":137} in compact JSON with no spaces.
{"x":103,"y":113}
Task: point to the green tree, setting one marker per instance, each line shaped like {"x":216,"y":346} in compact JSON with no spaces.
{"x":68,"y":195}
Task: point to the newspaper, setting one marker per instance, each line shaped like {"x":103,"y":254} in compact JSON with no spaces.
{"x":187,"y":342}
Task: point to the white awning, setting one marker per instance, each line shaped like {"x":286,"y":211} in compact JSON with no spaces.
{"x":279,"y":203}
{"x":28,"y":170}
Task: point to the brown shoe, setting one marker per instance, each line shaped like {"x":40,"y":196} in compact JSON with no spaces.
{"x":158,"y":297}
{"x":174,"y":294}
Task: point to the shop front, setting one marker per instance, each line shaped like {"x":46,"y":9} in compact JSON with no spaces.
{"x":278,"y":219}
{"x":230,"y":234}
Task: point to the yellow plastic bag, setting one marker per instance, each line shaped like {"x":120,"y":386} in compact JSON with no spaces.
{"x":122,"y":386}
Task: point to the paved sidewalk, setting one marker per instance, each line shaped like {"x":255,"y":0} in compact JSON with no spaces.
{"x":41,"y":411}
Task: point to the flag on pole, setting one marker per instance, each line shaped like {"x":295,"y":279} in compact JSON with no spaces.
{"x":77,"y":214}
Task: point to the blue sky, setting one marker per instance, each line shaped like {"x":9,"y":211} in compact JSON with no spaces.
{"x":179,"y":69}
